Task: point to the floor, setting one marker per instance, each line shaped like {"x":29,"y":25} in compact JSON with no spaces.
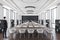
{"x":56,"y":36}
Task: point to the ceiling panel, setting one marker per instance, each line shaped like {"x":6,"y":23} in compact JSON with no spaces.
{"x":38,"y":4}
{"x":21,"y":5}
{"x":30,"y":1}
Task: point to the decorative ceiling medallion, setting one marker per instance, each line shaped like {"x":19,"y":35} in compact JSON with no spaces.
{"x":29,"y":6}
{"x":29,"y":1}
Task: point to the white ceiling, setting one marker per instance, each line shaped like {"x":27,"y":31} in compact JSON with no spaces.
{"x":30,"y":1}
{"x":20,"y":5}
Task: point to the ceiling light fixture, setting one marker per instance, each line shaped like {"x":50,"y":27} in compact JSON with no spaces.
{"x":30,"y":7}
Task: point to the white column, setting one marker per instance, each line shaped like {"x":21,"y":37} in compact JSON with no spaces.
{"x":20,"y":17}
{"x":11,"y":14}
{"x":15,"y":19}
{"x":40,"y":18}
{"x":53,"y":17}
{"x":44,"y":18}
{"x":48,"y":16}
{"x":9,"y":19}
{"x":1,"y":11}
{"x":17,"y":16}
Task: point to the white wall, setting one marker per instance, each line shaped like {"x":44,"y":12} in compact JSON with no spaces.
{"x":58,"y":10}
{"x":58,"y":13}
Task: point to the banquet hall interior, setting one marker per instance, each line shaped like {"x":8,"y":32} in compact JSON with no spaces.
{"x":29,"y":19}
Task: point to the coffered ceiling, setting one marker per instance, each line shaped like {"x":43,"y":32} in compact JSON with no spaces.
{"x":30,"y":6}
